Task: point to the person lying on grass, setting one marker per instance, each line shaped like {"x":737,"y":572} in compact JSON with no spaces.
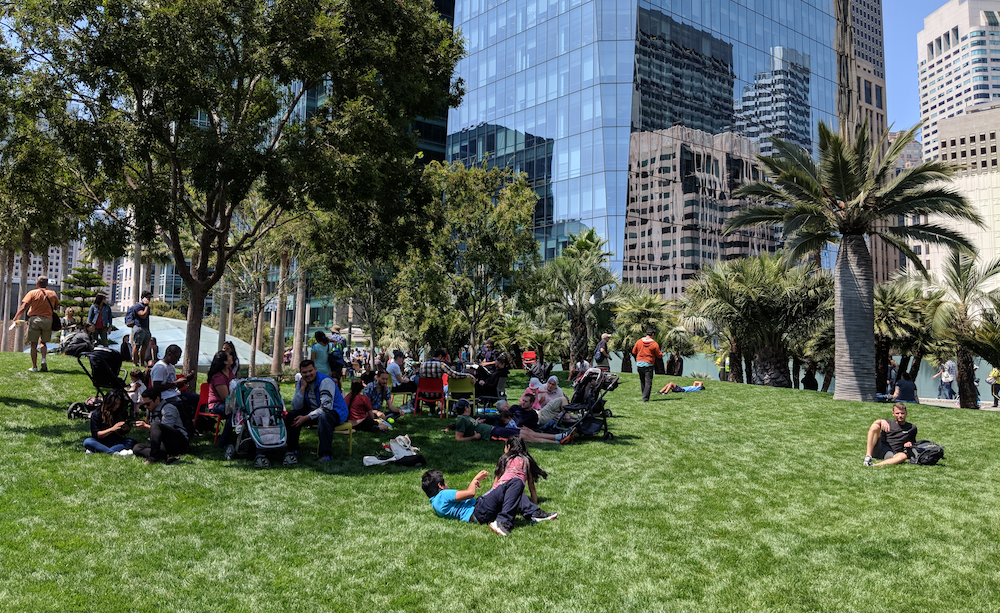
{"x":549,"y":416}
{"x":109,"y":424}
{"x":891,"y":441}
{"x":497,"y":508}
{"x":697,"y":386}
{"x":469,"y":429}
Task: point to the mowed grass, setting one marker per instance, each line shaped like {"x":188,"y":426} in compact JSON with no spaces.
{"x":739,"y":498}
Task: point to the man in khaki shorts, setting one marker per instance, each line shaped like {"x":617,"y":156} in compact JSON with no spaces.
{"x":40,"y":304}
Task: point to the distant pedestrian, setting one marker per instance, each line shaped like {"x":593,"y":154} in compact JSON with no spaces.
{"x":646,"y":352}
{"x":100,"y":316}
{"x":138,"y":317}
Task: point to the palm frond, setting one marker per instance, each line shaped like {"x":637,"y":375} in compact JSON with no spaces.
{"x":931,"y":233}
{"x":755,"y":216}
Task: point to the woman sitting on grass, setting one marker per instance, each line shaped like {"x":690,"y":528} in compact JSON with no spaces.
{"x":360,"y":412}
{"x":108,"y":425}
{"x":517,"y":463}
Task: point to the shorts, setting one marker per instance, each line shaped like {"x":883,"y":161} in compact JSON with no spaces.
{"x":39,"y":328}
{"x":140,"y":338}
{"x":501,"y":433}
{"x":884,"y":452}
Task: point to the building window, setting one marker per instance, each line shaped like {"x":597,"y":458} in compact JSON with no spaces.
{"x":868,"y":92}
{"x":878,"y":96}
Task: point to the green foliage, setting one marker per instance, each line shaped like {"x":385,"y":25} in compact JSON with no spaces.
{"x":159,"y":307}
{"x":173,"y":314}
{"x":84,"y":284}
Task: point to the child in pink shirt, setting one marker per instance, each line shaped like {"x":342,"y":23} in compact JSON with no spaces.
{"x":517,"y":463}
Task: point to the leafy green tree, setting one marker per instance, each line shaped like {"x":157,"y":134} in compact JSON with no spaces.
{"x":486,"y":243}
{"x":853,"y":193}
{"x":180,"y":109}
{"x":84,"y":284}
{"x":968,"y":291}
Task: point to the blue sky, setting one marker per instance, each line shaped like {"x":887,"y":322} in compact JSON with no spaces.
{"x":901,"y":20}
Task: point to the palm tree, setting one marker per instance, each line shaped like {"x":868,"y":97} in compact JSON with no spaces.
{"x":578,"y":287}
{"x":964,"y":301}
{"x":851,"y":194}
{"x":637,"y":310}
{"x":897,"y":321}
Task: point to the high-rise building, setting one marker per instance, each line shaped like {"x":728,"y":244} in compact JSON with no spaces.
{"x":958,"y":52}
{"x":594,"y":90}
{"x":970,"y":139}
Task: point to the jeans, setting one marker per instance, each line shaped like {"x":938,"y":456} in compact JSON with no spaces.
{"x":945,"y":391}
{"x":227,"y":426}
{"x":92,"y":444}
{"x":646,"y":380}
{"x":164,"y":441}
{"x":327,"y":421}
{"x":503,"y":503}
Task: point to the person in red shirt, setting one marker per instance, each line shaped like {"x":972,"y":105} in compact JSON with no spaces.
{"x":40,"y":304}
{"x":646,"y":352}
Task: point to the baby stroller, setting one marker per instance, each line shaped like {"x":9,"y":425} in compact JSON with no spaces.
{"x":258,"y":419}
{"x":104,"y":373}
{"x":588,"y":404}
{"x":540,"y":370}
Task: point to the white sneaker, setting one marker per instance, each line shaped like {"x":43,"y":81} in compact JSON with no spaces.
{"x":89,"y":452}
{"x":496,"y":527}
{"x":32,"y":369}
{"x":126,"y":452}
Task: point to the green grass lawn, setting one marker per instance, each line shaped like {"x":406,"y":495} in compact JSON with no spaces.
{"x":739,"y":498}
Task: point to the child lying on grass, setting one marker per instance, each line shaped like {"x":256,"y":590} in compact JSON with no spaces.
{"x":498,"y":507}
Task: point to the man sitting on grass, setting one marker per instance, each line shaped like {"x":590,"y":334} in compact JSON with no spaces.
{"x":469,"y":429}
{"x":697,"y":386}
{"x":892,"y":442}
{"x":498,"y":507}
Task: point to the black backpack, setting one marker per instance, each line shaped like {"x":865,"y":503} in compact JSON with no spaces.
{"x":927,"y":452}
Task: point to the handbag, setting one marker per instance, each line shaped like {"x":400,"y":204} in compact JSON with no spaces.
{"x":56,"y":322}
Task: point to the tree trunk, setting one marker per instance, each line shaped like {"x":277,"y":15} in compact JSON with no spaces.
{"x":577,"y":338}
{"x":137,"y":276}
{"x":513,"y":357}
{"x":221,"y":295}
{"x":658,"y":368}
{"x":278,"y":342}
{"x":23,"y":285}
{"x":748,"y":367}
{"x":63,"y":265}
{"x":967,"y":393}
{"x":147,"y":273}
{"x":232,"y":309}
{"x":904,"y":361}
{"x":192,"y":336}
{"x":45,"y":264}
{"x":854,"y":320}
{"x":300,"y":319}
{"x":626,"y":361}
{"x":828,"y":373}
{"x":770,"y":367}
{"x":809,"y":381}
{"x":796,"y":368}
{"x":918,"y":359}
{"x":259,"y":343}
{"x":882,"y":347}
{"x":8,"y":287}
{"x":5,"y":295}
{"x":735,"y":362}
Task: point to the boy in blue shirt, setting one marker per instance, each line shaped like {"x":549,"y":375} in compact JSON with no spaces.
{"x":498,"y":507}
{"x":698,"y":386}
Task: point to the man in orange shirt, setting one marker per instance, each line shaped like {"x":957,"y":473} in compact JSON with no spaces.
{"x":646,"y":352}
{"x":40,"y":304}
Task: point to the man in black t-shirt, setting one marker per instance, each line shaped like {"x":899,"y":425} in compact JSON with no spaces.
{"x":891,"y":441}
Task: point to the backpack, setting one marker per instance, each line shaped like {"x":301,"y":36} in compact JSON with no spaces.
{"x":927,"y":453}
{"x":130,"y":318}
{"x":597,"y":354}
{"x":337,"y":356}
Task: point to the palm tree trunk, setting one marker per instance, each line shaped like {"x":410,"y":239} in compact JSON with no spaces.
{"x":626,"y":361}
{"x":771,"y":367}
{"x":882,"y":347}
{"x":828,"y":373}
{"x":577,"y":339}
{"x":918,"y":358}
{"x":854,"y":320}
{"x":748,"y":367}
{"x":796,"y":369}
{"x":904,"y":361}
{"x":735,"y":361}
{"x":968,"y":398}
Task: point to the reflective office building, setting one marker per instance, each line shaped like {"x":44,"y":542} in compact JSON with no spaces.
{"x":639,"y":119}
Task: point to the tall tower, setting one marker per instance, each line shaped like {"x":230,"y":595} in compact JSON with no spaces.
{"x":955,"y":52}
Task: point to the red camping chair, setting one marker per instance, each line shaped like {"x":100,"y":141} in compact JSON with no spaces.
{"x":202,"y":411}
{"x":527,"y":359}
{"x":425,"y":386}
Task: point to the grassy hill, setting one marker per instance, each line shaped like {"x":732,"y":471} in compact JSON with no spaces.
{"x":738,"y":498}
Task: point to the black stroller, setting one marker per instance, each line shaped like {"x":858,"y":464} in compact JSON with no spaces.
{"x":104,"y":373}
{"x":588,"y":404}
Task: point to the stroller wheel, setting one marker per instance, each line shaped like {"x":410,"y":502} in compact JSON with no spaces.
{"x":608,"y":436}
{"x":230,"y":452}
{"x":75,"y":410}
{"x":262,"y":462}
{"x":608,"y":413}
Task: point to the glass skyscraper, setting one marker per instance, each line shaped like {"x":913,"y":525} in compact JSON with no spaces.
{"x":640,"y":118}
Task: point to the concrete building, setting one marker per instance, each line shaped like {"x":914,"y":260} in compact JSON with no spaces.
{"x":959,"y":64}
{"x":970,"y":139}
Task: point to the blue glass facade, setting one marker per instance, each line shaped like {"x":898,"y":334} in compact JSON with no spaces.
{"x":639,"y":118}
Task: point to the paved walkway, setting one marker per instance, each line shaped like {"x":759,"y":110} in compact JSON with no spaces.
{"x":953,"y":404}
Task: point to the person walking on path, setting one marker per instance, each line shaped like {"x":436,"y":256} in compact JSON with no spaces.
{"x":40,"y":305}
{"x":646,"y":352}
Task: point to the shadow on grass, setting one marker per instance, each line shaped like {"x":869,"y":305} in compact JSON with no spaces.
{"x":55,"y":435}
{"x":33,"y":404}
